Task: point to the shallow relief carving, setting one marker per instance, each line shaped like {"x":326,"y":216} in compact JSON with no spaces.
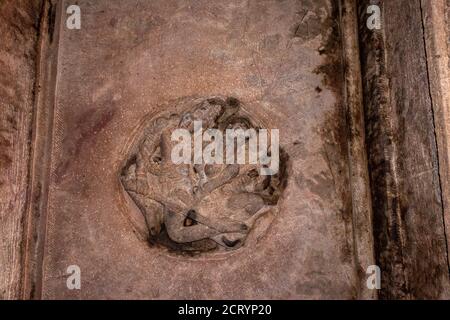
{"x":190,"y":208}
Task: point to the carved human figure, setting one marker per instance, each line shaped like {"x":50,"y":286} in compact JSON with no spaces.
{"x":197,"y":206}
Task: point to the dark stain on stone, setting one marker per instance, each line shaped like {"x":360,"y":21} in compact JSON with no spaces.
{"x":85,"y":129}
{"x":332,"y":69}
{"x":4,"y":142}
{"x":335,"y":127}
{"x":5,"y":161}
{"x":51,"y":15}
{"x":113,"y":22}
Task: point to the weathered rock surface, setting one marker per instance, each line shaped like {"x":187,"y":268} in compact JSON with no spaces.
{"x":128,"y":61}
{"x":19,"y":25}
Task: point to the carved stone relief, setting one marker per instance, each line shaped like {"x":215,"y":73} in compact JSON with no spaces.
{"x":193,"y":207}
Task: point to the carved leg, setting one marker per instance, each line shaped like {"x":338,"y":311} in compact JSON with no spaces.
{"x":180,"y":233}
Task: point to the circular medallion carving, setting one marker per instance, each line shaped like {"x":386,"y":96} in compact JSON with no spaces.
{"x":199,"y":207}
